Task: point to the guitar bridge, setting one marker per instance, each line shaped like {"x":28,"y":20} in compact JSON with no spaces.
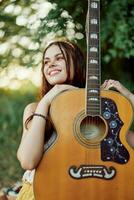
{"x":92,"y":171}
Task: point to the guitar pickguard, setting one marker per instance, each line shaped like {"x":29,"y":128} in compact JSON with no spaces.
{"x":111,"y":147}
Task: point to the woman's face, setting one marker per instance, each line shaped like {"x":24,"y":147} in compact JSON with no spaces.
{"x":54,"y":65}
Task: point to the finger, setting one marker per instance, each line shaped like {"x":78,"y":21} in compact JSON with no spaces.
{"x":104,"y":84}
{"x":109,"y":85}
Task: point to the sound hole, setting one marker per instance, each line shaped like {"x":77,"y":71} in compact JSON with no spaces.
{"x":93,"y":129}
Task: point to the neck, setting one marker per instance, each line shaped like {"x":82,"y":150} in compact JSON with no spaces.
{"x":93,"y":59}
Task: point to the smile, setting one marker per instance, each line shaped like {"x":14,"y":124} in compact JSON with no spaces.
{"x":54,"y":72}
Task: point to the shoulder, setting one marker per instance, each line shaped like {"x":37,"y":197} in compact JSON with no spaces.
{"x":29,"y":109}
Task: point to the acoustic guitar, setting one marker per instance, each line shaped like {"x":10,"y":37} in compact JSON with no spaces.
{"x":90,"y":158}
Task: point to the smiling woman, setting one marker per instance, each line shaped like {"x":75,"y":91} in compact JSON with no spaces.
{"x":63,"y":68}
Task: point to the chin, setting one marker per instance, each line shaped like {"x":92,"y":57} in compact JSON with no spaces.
{"x":54,"y":82}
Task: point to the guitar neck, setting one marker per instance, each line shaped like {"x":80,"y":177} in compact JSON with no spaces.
{"x":93,"y":79}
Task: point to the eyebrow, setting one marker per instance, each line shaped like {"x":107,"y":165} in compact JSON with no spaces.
{"x":55,"y":56}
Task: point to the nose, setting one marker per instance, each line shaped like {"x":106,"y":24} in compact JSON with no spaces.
{"x":52,"y":63}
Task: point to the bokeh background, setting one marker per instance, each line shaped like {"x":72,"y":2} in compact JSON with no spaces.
{"x":25,"y":28}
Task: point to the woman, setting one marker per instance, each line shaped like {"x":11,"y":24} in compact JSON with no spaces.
{"x":63,"y":68}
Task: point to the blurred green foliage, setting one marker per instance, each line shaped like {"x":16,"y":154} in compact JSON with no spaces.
{"x":12,"y":104}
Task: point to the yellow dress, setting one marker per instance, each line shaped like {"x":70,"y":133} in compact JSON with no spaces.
{"x":26,"y":192}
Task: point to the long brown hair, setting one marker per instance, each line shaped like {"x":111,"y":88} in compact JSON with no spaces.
{"x":71,"y":52}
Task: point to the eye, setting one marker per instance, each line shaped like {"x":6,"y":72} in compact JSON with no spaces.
{"x":60,"y":58}
{"x":46,"y":62}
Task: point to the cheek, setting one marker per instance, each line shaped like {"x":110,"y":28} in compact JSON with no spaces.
{"x":63,"y":64}
{"x":45,"y":71}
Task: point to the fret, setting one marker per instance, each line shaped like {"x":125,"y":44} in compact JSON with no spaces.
{"x":93,"y":106}
{"x":92,"y":66}
{"x":93,"y":74}
{"x":93,"y":109}
{"x":94,"y":28}
{"x":93,"y":93}
{"x":93,"y":71}
{"x":93,"y":96}
{"x":92,"y":88}
{"x":89,"y":106}
{"x":94,"y":42}
{"x":90,"y":94}
{"x":94,"y":14}
{"x":96,"y":94}
{"x":90,"y":57}
{"x":93,"y":84}
{"x":94,"y":55}
{"x":93,"y":113}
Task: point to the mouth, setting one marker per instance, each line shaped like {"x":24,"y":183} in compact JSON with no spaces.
{"x":54,"y":72}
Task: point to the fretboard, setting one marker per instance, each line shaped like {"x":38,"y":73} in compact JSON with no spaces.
{"x":93,"y":59}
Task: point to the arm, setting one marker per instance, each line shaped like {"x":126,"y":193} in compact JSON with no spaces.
{"x":118,"y":86}
{"x":31,"y":147}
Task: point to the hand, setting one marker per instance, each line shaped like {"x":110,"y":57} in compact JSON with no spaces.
{"x":112,"y":83}
{"x":57,"y":89}
{"x":117,"y":85}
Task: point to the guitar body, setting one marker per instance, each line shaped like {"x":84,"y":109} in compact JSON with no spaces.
{"x":97,"y":165}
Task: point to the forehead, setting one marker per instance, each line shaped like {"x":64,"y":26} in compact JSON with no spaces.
{"x":52,"y":51}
